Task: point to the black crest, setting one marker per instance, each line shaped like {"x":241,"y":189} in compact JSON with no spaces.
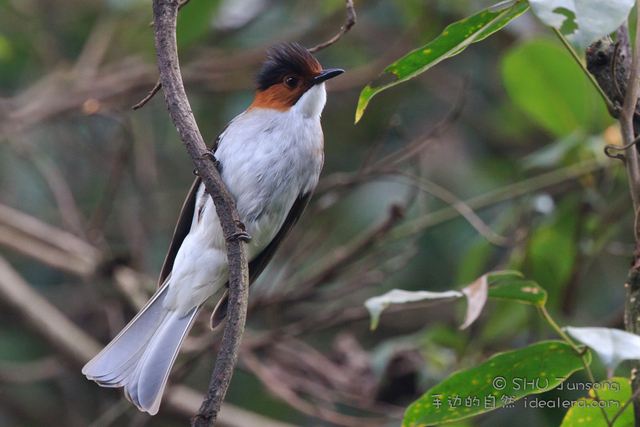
{"x":286,"y":59}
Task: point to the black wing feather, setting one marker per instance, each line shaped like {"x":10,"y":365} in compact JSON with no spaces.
{"x":182,"y":229}
{"x":260,"y":262}
{"x":185,"y":219}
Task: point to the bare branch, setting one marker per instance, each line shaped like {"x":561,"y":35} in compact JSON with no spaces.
{"x":165,"y":13}
{"x":351,"y":21}
{"x":626,"y":123}
{"x":31,"y":371}
{"x":147,"y":98}
{"x":46,"y":319}
{"x":632,"y":305}
{"x":78,"y":347}
{"x":54,"y":247}
{"x":186,"y":400}
{"x":280,"y":389}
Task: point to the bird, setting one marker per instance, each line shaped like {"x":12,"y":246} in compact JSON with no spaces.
{"x":269,"y":157}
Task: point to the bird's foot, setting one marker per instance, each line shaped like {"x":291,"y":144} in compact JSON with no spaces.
{"x":208,"y":153}
{"x":241,"y":235}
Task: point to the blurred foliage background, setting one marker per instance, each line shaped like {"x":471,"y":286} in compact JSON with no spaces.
{"x":90,"y":192}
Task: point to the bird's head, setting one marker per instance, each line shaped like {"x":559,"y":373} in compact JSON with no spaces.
{"x":292,"y":78}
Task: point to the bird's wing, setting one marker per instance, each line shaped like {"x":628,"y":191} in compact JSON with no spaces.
{"x":182,"y":229}
{"x":259,"y":263}
{"x":184,"y":220}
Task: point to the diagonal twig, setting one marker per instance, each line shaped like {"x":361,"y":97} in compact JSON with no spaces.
{"x":147,"y":98}
{"x":351,"y":21}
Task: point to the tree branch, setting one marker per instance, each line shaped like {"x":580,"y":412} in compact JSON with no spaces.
{"x":165,"y":14}
{"x":351,"y":21}
{"x":613,"y":73}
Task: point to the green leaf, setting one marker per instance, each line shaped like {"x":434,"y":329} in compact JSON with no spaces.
{"x":453,"y":40}
{"x":544,"y":81}
{"x":502,"y":275}
{"x":376,"y":305}
{"x":527,"y":291}
{"x":503,"y":379}
{"x":595,"y":18}
{"x":615,"y":394}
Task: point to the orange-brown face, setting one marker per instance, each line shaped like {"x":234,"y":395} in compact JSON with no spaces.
{"x":284,"y":95}
{"x":288,"y":73}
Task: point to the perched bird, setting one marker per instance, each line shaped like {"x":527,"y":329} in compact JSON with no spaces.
{"x":270,"y":158}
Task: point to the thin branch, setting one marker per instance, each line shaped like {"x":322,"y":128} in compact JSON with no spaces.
{"x":331,"y":265}
{"x":147,"y":98}
{"x":351,"y":21}
{"x":165,"y":14}
{"x":78,"y":347}
{"x":114,"y":412}
{"x":502,"y":194}
{"x":626,"y":123}
{"x":626,"y":404}
{"x":632,"y":305}
{"x":116,"y":174}
{"x":612,"y":109}
{"x":460,"y":206}
{"x":53,"y":246}
{"x":280,"y":389}
{"x":30,"y":371}
{"x":579,"y":352}
{"x":609,"y":147}
{"x":46,"y":319}
{"x":186,"y":400}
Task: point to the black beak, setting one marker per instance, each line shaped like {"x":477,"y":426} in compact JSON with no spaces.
{"x":325,"y":75}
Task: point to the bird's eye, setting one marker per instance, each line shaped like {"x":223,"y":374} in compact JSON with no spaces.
{"x":291,"y":82}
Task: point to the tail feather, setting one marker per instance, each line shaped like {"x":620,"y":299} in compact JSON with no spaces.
{"x":138,"y":333}
{"x":146,"y":384}
{"x":141,"y":356}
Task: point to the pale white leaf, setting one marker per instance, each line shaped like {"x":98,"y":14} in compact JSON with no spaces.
{"x":595,"y":18}
{"x":476,"y":294}
{"x":377,"y":304}
{"x":611,"y":345}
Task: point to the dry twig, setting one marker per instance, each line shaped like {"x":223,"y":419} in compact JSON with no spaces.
{"x":270,"y":378}
{"x":351,"y":21}
{"x":147,"y":98}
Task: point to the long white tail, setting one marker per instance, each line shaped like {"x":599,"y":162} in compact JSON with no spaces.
{"x":141,"y":356}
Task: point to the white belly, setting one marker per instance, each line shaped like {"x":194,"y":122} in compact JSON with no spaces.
{"x":267,"y":163}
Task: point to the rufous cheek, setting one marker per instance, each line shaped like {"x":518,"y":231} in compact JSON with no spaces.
{"x":277,"y":97}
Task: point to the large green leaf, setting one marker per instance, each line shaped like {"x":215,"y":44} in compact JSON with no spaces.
{"x":453,"y":40}
{"x":544,"y":81}
{"x":613,"y":395}
{"x":501,"y":380}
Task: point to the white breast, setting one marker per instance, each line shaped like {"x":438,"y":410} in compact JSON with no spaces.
{"x":268,"y":158}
